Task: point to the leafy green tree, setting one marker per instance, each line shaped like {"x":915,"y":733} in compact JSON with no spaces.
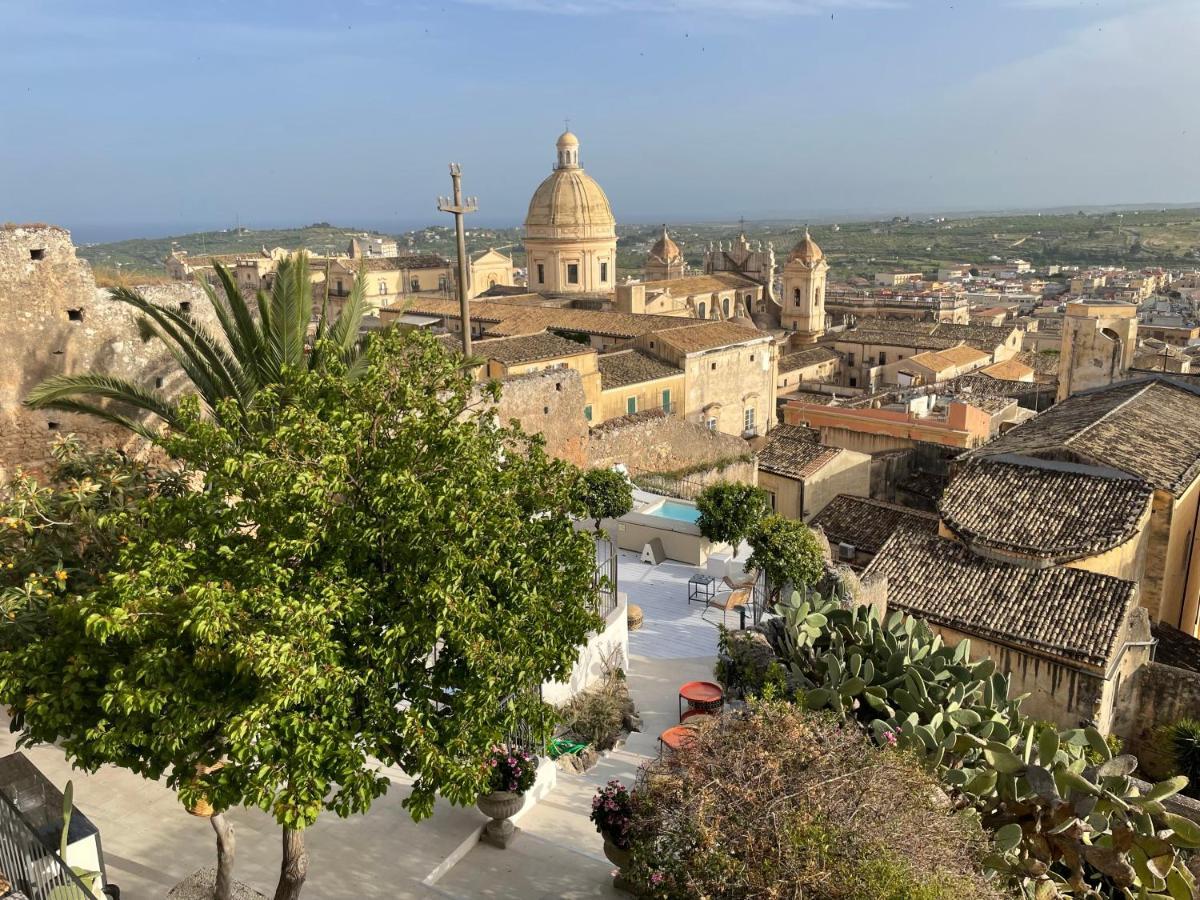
{"x":605,"y":494}
{"x":787,"y":552}
{"x":730,"y":511}
{"x":252,"y":351}
{"x":370,"y":569}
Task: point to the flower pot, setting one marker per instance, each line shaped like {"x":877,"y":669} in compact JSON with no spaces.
{"x":500,"y":807}
{"x":615,"y":855}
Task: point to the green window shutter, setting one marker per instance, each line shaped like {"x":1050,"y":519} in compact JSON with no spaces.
{"x":666,"y":399}
{"x":587,"y":413}
{"x":631,"y":405}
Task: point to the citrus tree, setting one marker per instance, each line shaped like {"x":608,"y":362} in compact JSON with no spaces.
{"x":360,"y":571}
{"x":730,"y":511}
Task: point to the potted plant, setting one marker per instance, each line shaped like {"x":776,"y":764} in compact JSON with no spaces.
{"x":612,"y":811}
{"x":510,"y":774}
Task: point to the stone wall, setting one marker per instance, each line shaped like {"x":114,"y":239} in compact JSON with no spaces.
{"x":653,"y":441}
{"x":1157,"y":695}
{"x":53,"y":320}
{"x":549,"y":403}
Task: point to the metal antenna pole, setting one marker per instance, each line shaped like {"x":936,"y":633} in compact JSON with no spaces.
{"x":458,"y":206}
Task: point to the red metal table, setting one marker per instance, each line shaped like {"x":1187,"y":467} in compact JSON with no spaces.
{"x":675,"y":738}
{"x":701,"y":695}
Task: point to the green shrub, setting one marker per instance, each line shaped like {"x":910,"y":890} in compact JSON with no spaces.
{"x":730,"y":511}
{"x":1182,"y":746}
{"x":779,"y":802}
{"x":604,"y":494}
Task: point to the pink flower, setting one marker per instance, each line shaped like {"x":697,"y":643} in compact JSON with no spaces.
{"x":657,"y":878}
{"x":891,"y":738}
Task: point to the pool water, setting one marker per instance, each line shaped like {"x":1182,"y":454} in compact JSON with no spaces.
{"x":680,"y":512}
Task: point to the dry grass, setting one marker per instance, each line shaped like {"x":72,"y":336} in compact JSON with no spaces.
{"x":113,"y":278}
{"x":782,"y":803}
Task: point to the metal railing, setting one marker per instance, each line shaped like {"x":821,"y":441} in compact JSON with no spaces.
{"x":604,"y":580}
{"x":29,"y":865}
{"x":527,"y":735}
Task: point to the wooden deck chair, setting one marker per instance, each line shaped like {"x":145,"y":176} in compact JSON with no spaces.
{"x":735,"y":598}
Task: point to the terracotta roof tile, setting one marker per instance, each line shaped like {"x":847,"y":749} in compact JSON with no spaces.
{"x":1009,"y":369}
{"x":1148,"y":427}
{"x":631,"y":367}
{"x":709,"y":336}
{"x":701,"y":284}
{"x":1072,"y":614}
{"x":528,"y":348}
{"x":516,"y":318}
{"x":867,"y":523}
{"x":1050,"y":510}
{"x":803,"y":358}
{"x":793,"y":452}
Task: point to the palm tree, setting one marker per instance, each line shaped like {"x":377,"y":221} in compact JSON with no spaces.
{"x":250,"y":353}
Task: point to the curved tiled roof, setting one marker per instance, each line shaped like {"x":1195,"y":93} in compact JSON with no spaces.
{"x":665,"y":249}
{"x":1149,"y":428}
{"x":807,"y":251}
{"x":1044,"y":509}
{"x":793,"y":452}
{"x":1072,"y":614}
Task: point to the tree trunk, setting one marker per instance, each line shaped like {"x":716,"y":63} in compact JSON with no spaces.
{"x":294,"y":867}
{"x":223,"y":890}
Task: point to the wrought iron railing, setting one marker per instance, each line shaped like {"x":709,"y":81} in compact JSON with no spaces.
{"x":526,"y":734}
{"x":604,"y":580}
{"x":29,"y":866}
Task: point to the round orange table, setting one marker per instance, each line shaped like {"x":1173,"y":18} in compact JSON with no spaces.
{"x":701,"y":695}
{"x":675,"y":738}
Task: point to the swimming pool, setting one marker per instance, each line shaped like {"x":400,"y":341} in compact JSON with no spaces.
{"x":675,"y":509}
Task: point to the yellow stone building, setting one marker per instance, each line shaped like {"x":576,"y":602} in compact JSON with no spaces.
{"x":570,"y":232}
{"x":804,"y":290}
{"x":665,"y":260}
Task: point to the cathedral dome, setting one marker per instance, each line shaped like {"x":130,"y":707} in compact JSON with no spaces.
{"x":807,"y":251}
{"x":569,"y":202}
{"x":665,"y":249}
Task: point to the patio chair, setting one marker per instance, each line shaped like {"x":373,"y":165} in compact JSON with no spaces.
{"x":741,"y":596}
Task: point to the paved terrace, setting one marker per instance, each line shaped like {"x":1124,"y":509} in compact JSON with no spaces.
{"x":150,"y":843}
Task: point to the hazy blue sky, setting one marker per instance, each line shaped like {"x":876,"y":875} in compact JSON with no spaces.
{"x":164,"y":115}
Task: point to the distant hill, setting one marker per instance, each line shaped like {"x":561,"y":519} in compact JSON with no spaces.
{"x":1133,"y":237}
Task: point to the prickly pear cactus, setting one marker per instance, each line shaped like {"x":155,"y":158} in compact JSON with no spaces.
{"x":1062,"y":826}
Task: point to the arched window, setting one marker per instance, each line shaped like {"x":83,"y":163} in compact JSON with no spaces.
{"x":798,"y":296}
{"x":491,"y":281}
{"x":725,"y":306}
{"x":382,"y":286}
{"x":700,"y":310}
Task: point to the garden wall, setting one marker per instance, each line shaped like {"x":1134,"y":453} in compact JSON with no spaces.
{"x":608,"y":647}
{"x":1159,"y":695}
{"x":549,"y":403}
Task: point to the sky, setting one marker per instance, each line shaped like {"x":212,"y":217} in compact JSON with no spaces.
{"x":131,"y":118}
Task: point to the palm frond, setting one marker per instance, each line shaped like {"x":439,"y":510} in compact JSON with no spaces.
{"x":344,"y":333}
{"x":62,"y":392}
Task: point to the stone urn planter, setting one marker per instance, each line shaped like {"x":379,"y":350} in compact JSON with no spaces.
{"x":615,"y":855}
{"x":500,"y":807}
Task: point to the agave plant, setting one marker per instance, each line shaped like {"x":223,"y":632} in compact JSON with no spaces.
{"x":251,"y":351}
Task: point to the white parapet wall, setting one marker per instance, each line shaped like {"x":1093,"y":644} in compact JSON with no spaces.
{"x":607,"y":647}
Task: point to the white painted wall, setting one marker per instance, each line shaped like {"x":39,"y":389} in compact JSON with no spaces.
{"x":612,"y":641}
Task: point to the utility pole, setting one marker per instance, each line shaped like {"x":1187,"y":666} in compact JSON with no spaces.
{"x":459,"y":207}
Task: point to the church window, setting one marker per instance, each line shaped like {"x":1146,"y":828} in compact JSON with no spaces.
{"x":797,"y":295}
{"x":572,"y":273}
{"x":541,"y":274}
{"x":491,"y":281}
{"x":603,"y":272}
{"x":725,"y":305}
{"x":700,"y":310}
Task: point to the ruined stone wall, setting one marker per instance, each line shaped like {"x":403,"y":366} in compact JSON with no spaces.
{"x":54,"y":320}
{"x":549,"y":403}
{"x":653,"y":441}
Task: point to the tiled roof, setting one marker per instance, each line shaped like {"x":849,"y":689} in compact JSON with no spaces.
{"x":631,"y":367}
{"x":1009,"y":369}
{"x":867,"y":523}
{"x":701,"y":284}
{"x":975,"y":383}
{"x":1045,"y":509}
{"x":930,"y":359}
{"x":928,"y":335}
{"x":991,"y":405}
{"x":804,"y":358}
{"x":709,"y":336}
{"x":1148,"y":427}
{"x":405,"y":262}
{"x":1042,"y":363}
{"x":1073,"y":614}
{"x":793,"y":452}
{"x":514,"y":318}
{"x":528,"y":348}
{"x":1175,"y":648}
{"x":963,"y":355}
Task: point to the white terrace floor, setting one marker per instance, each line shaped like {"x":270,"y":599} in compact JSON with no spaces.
{"x":150,"y":843}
